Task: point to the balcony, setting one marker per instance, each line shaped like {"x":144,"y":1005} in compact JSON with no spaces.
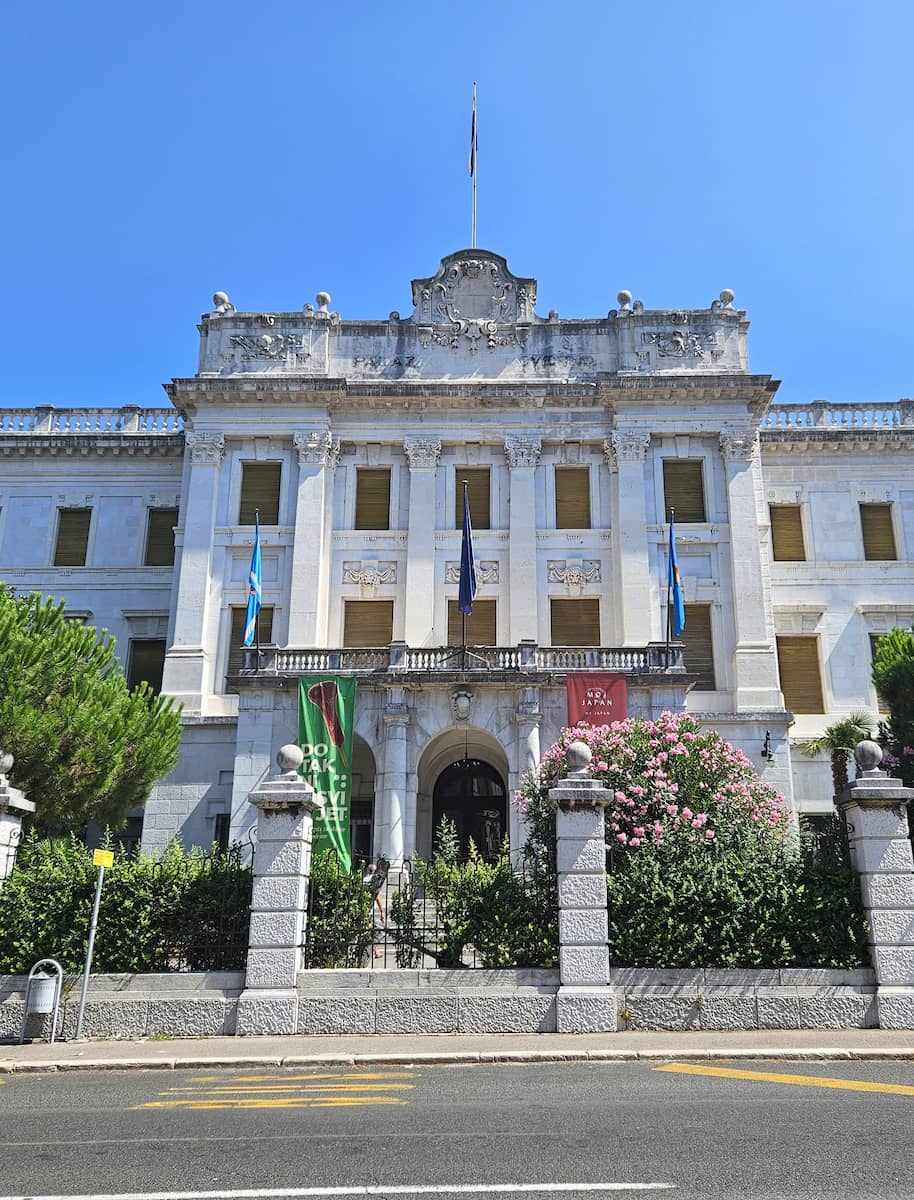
{"x":399,"y":662}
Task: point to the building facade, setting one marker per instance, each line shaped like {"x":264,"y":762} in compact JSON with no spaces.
{"x":352,"y":440}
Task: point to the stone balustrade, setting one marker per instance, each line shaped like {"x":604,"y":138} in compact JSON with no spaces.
{"x":822,"y":415}
{"x":46,"y":419}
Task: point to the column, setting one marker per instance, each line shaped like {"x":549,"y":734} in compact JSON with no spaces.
{"x":285,"y":806}
{"x":13,"y":807}
{"x":397,"y":827}
{"x":528,"y":718}
{"x":522,"y":456}
{"x":635,"y":594}
{"x":185,"y":676}
{"x":585,"y":1002}
{"x":755,"y":669}
{"x":874,"y":806}
{"x":309,"y":582}
{"x":422,"y":455}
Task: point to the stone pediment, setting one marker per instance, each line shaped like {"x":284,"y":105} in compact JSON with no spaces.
{"x":474,"y":287}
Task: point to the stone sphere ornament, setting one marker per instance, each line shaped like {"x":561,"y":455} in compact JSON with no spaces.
{"x":624,"y":298}
{"x":290,"y":758}
{"x":868,"y":756}
{"x":578,"y":758}
{"x":323,"y":301}
{"x":6,"y":762}
{"x":727,"y":296}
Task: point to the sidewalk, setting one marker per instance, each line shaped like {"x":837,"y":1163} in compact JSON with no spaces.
{"x":403,"y":1049}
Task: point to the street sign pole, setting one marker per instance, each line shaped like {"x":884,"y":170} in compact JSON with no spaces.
{"x":101,"y":859}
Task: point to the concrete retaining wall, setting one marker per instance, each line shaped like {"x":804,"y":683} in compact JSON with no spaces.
{"x":201,"y":1004}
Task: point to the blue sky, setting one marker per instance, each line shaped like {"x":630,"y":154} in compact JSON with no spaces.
{"x":156,"y":153}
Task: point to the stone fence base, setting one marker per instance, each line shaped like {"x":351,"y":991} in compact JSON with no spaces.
{"x":204,"y":1004}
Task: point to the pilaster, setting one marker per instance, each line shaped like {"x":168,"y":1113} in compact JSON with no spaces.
{"x":528,"y":718}
{"x":309,"y":583}
{"x":522,"y":456}
{"x":422,"y":455}
{"x":635,"y":595}
{"x":396,"y":830}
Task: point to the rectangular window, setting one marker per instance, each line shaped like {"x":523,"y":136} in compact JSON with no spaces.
{"x":683,"y":489}
{"x":236,"y":660}
{"x":575,"y":622}
{"x":786,"y":533}
{"x":368,"y":622}
{"x":372,"y":498}
{"x":698,"y":646}
{"x":145,"y":662}
{"x":875,"y":639}
{"x":260,"y":492}
{"x":221,"y":829}
{"x":480,"y":624}
{"x":801,"y":682}
{"x":572,"y":497}
{"x":477,"y":480}
{"x":160,"y":537}
{"x":878,"y":534}
{"x":72,"y":537}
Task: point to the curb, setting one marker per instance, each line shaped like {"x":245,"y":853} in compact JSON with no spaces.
{"x":457,"y":1059}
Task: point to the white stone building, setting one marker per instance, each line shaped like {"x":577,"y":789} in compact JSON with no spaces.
{"x":795,"y":533}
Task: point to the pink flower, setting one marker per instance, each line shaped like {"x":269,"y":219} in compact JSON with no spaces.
{"x":710,"y":835}
{"x":622,"y":837}
{"x":635,"y":841}
{"x":672,"y":809}
{"x":601,"y":766}
{"x":687,"y":814}
{"x":639,"y":831}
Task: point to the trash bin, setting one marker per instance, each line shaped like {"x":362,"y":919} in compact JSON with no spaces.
{"x":42,"y":993}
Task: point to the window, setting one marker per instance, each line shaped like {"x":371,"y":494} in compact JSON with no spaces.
{"x":480,"y":624}
{"x":572,"y":497}
{"x":260,"y":492}
{"x":875,"y":639}
{"x":372,"y":498}
{"x":786,"y":533}
{"x":477,"y":480}
{"x":698,"y":646}
{"x":221,"y":829}
{"x":160,"y":537}
{"x":72,"y":537}
{"x":683,"y":489}
{"x":236,"y":659}
{"x":145,"y":662}
{"x":368,"y":622}
{"x":878,"y":534}
{"x":801,"y":683}
{"x":575,"y":622}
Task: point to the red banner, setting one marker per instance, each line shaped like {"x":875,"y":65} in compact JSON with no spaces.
{"x":597,"y":699}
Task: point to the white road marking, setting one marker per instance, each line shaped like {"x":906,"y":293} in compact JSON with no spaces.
{"x":455,"y":1189}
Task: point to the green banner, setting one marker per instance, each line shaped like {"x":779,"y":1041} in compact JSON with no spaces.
{"x":326,"y":706}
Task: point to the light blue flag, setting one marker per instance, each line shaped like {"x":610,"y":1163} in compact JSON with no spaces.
{"x":677,"y":603}
{"x":255,"y":592}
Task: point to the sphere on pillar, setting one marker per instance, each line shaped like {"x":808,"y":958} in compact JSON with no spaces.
{"x":578,"y":757}
{"x":867,"y":755}
{"x":289,"y":758}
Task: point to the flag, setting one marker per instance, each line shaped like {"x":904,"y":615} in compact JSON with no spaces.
{"x":471,"y":162}
{"x":677,"y":604}
{"x":255,"y":590}
{"x":326,"y":708}
{"x":467,"y":593}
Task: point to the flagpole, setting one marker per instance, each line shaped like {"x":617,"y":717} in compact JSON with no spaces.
{"x":463,"y":616}
{"x":669,"y":590}
{"x":474,"y":159}
{"x":257,"y":614}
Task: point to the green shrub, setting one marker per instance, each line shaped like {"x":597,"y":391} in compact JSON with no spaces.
{"x":185,"y":911}
{"x":339,"y":931}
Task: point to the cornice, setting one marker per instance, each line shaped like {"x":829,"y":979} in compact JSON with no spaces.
{"x":833,"y":441}
{"x":82,"y":445}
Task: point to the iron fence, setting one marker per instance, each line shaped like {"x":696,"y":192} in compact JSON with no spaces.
{"x":8,"y":851}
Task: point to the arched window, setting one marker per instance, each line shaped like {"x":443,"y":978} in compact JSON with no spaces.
{"x":472,"y":795}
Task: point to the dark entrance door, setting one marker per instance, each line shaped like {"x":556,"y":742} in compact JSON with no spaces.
{"x":472,"y":794}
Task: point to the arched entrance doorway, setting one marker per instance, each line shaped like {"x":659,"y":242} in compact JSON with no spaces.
{"x":472,"y":795}
{"x":362,"y":804}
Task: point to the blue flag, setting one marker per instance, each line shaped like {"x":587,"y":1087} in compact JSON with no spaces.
{"x":255,"y":591}
{"x":467,"y":593}
{"x":676,"y":601}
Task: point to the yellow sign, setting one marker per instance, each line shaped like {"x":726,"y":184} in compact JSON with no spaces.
{"x":103,"y":858}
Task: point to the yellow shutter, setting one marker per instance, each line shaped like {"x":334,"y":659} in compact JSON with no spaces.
{"x":372,"y":498}
{"x":145,"y":662}
{"x":575,"y":622}
{"x":481,"y":629}
{"x":72,"y":537}
{"x":787,"y":533}
{"x":237,"y":634}
{"x":801,"y":682}
{"x":875,"y":639}
{"x":878,"y":534}
{"x":477,"y":480}
{"x":260,"y":491}
{"x":572,"y":497}
{"x":368,"y":622}
{"x":160,"y":537}
{"x":698,"y":646}
{"x":683,"y":489}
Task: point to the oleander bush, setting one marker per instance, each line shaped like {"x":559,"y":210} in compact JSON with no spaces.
{"x":706,"y":868}
{"x":185,"y":911}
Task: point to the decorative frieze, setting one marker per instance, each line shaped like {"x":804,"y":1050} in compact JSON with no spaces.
{"x":369,"y":575}
{"x":574,"y":575}
{"x":269,"y":346}
{"x":523,"y":452}
{"x":422,"y":453}
{"x":205,"y":448}
{"x":317,"y":447}
{"x":486,"y":571}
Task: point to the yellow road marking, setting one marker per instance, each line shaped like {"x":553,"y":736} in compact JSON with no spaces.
{"x":274,"y":1102}
{"x":293,"y":1078}
{"x":295,"y":1087}
{"x":849,"y":1085}
{"x":334,"y":1090}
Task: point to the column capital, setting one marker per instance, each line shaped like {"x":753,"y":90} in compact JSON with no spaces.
{"x":528,"y":709}
{"x":422,"y":453}
{"x":206,"y":449}
{"x":395,"y":711}
{"x":317,"y":447}
{"x":523,"y":451}
{"x":738,"y":442}
{"x":626,"y":446}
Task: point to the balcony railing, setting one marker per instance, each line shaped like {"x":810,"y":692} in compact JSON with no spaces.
{"x":400,"y":659}
{"x":131,"y":418}
{"x":822,"y":415}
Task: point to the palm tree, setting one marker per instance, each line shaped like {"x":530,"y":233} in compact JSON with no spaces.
{"x":839,"y":741}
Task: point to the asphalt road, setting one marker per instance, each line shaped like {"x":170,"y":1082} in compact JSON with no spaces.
{"x":715,"y":1130}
